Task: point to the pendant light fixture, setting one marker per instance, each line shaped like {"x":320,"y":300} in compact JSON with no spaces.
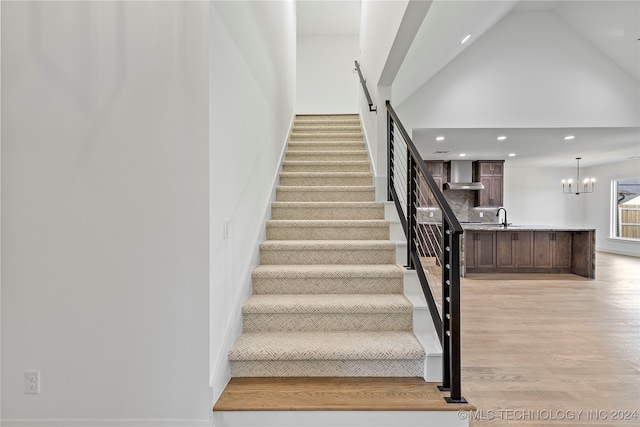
{"x":586,"y":186}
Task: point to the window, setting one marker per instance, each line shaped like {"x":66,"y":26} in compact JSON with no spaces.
{"x":626,"y":209}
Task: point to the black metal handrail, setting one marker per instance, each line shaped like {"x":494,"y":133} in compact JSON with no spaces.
{"x":433,"y":243}
{"x":363,"y":82}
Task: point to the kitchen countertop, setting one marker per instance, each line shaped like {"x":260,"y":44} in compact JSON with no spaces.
{"x":518,"y":227}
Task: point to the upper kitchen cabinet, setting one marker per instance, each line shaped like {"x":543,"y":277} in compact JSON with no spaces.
{"x":438,"y":172}
{"x":491,"y":174}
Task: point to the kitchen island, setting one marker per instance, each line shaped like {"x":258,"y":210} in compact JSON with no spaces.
{"x":493,"y":248}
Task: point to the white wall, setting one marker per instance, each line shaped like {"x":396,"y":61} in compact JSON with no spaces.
{"x":598,"y":205}
{"x":534,"y":196}
{"x":529,"y":70}
{"x":326,"y":80}
{"x":379,"y":23}
{"x":105,"y":280}
{"x":252,"y":93}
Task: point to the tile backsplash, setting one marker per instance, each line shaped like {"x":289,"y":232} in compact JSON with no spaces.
{"x":461,"y":202}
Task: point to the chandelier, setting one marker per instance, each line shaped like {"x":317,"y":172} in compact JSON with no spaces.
{"x":586,"y":186}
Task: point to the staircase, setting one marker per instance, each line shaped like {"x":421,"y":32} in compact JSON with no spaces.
{"x":328,"y":296}
{"x":328,"y":301}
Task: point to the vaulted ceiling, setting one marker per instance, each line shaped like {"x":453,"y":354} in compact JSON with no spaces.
{"x":612,"y":28}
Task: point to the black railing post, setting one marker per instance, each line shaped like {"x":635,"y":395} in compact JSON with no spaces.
{"x":411,"y":208}
{"x":446,"y":307}
{"x":390,"y":157}
{"x":456,"y":331}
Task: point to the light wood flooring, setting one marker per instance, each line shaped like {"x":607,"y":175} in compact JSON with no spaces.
{"x":537,"y":348}
{"x":334,"y":394}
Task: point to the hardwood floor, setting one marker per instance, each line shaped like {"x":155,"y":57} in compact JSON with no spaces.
{"x":538,"y":349}
{"x":333,"y":394}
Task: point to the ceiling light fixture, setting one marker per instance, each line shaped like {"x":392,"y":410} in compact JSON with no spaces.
{"x":440,"y":138}
{"x":462,"y":154}
{"x":569,"y":137}
{"x":465,"y":38}
{"x":501,"y":138}
{"x":512,"y":154}
{"x":588,"y":185}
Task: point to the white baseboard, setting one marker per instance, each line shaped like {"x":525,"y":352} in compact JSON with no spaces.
{"x":631,"y":251}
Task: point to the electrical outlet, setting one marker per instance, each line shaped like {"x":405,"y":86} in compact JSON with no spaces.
{"x":32,"y":382}
{"x":481,"y":214}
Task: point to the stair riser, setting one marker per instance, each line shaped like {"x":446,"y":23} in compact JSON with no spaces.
{"x":336,"y":181}
{"x":327,"y":233}
{"x":326,"y":136}
{"x":338,"y":145}
{"x":327,"y":118}
{"x":312,"y":156}
{"x":324,"y":127}
{"x":328,"y":368}
{"x":330,"y":256}
{"x":325,"y":196}
{"x":326,"y":167}
{"x":269,"y":322}
{"x":327,"y":213}
{"x":329,"y":285}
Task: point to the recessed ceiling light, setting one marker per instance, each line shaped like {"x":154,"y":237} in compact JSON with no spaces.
{"x":465,"y":38}
{"x":501,"y":138}
{"x":440,"y":138}
{"x":568,"y":137}
{"x":462,"y":154}
{"x":512,"y":154}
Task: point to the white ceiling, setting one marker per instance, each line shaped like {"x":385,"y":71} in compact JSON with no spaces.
{"x":611,"y":26}
{"x":533,"y":146}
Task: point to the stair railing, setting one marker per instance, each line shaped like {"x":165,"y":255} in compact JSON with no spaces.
{"x":433,"y":244}
{"x":363,"y":82}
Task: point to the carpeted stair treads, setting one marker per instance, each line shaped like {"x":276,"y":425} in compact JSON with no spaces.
{"x":328,"y":295}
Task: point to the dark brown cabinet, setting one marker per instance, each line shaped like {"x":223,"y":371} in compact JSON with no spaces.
{"x":436,"y":169}
{"x":480,"y":249}
{"x":553,"y":249}
{"x":583,"y":242}
{"x":491,"y":175}
{"x":514,"y":249}
{"x":529,"y":251}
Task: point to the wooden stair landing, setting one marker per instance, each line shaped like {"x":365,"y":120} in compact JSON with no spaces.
{"x":334,"y":394}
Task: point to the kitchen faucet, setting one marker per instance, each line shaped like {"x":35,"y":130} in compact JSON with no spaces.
{"x":504,"y":223}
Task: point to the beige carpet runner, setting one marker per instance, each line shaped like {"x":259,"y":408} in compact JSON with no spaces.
{"x":328,"y":296}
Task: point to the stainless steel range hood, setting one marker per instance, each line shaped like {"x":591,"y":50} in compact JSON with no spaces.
{"x":460,"y":176}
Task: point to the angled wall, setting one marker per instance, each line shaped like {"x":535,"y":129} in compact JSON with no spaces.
{"x":529,"y":70}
